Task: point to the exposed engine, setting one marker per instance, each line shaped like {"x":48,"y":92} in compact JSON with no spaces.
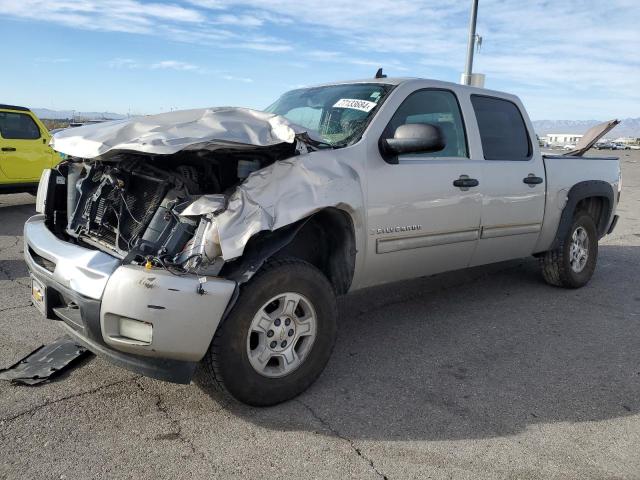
{"x":137,"y":207}
{"x":116,"y":206}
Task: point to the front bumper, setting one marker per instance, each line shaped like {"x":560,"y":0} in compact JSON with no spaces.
{"x":91,"y":292}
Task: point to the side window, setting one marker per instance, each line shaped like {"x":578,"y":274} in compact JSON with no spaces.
{"x":502,"y":130}
{"x":437,"y":107}
{"x":18,"y":126}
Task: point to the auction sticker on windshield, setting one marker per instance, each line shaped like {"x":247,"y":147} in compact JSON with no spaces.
{"x":355,"y":104}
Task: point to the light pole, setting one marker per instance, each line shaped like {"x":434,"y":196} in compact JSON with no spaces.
{"x":468,"y":77}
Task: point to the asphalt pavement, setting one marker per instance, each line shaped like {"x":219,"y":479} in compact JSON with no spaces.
{"x":484,"y":373}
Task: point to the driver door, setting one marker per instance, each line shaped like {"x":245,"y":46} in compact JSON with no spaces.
{"x":419,"y":222}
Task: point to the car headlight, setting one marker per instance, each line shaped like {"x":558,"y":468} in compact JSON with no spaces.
{"x":43,"y":189}
{"x":204,"y":246}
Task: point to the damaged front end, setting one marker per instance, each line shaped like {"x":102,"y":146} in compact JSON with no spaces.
{"x":149,"y":225}
{"x":159,"y":209}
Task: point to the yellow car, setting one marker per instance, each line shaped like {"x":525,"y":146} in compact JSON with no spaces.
{"x":24,"y":150}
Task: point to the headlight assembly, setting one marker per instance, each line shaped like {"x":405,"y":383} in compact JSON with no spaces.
{"x":43,"y":190}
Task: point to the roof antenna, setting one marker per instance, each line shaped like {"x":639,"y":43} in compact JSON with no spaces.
{"x":379,"y":74}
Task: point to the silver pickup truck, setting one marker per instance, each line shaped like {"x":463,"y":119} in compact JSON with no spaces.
{"x":222,"y":236}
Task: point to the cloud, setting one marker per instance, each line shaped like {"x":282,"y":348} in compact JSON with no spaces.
{"x":123,"y":63}
{"x":264,"y":46}
{"x":131,"y":64}
{"x":131,"y":16}
{"x":52,"y":60}
{"x":239,"y":20}
{"x":174,"y":65}
{"x":585,"y":46}
{"x":324,"y":54}
{"x":233,"y":78}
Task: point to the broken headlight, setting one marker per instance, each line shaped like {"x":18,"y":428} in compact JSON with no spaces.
{"x":204,"y":247}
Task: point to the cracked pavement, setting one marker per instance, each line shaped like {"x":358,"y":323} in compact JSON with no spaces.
{"x":484,"y":373}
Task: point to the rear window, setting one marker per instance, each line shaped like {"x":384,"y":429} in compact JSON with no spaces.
{"x":502,"y":130}
{"x":18,"y":126}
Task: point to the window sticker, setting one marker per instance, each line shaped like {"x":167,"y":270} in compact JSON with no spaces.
{"x":354,"y":104}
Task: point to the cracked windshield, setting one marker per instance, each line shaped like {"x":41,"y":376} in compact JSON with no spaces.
{"x":338,"y":113}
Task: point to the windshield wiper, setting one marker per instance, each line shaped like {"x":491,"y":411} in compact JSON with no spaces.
{"x":317,"y":144}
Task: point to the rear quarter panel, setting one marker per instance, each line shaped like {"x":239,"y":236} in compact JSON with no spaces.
{"x":562,"y":174}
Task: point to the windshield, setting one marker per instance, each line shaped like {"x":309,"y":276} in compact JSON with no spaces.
{"x":338,"y":113}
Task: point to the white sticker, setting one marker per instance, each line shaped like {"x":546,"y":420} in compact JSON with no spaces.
{"x":354,"y":104}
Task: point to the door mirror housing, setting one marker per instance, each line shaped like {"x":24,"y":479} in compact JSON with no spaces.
{"x":412,"y":138}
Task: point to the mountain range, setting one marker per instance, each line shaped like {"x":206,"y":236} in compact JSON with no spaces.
{"x":629,"y":127}
{"x":47,"y":114}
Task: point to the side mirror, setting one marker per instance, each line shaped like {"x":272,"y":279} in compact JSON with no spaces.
{"x":413,"y":138}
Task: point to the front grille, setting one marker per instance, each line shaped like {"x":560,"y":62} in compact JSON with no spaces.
{"x":143,"y":198}
{"x":119,"y":215}
{"x":106,"y":236}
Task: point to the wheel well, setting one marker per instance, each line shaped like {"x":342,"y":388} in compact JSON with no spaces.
{"x":598,"y":209}
{"x":327,"y":241}
{"x":594,"y":196}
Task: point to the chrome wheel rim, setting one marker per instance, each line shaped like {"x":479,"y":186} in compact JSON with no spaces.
{"x":579,"y":249}
{"x":281,"y":335}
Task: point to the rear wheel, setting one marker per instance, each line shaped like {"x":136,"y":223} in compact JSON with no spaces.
{"x":572,"y":264}
{"x":278,"y":338}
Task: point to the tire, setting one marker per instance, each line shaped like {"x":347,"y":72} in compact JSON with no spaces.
{"x":557,"y":266}
{"x":229,"y":359}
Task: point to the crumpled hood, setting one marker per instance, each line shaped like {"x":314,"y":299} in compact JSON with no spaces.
{"x":168,"y":133}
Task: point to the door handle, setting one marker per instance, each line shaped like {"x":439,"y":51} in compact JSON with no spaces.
{"x":532,"y":180}
{"x":464,"y":182}
{"x":8,"y":149}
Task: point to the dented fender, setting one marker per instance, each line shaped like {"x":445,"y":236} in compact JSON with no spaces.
{"x":288,"y":191}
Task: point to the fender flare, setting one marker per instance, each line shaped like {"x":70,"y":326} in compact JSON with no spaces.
{"x":580,"y":191}
{"x":259,"y":249}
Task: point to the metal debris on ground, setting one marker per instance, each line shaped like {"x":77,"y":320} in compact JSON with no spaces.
{"x":45,"y":362}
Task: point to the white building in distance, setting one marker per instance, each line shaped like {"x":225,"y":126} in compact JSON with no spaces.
{"x":627,"y":140}
{"x":563,"y":138}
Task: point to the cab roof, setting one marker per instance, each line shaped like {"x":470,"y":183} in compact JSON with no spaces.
{"x":423,"y":82}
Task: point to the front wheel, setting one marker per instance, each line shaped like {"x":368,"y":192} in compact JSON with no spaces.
{"x":572,"y":264}
{"x":279,"y":336}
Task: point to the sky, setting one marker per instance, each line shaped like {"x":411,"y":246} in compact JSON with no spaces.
{"x":570,"y":59}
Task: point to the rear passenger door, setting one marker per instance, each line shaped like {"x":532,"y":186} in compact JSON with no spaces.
{"x":25,"y":151}
{"x":513,"y":186}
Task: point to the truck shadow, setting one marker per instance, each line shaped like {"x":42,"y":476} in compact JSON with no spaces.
{"x":480,"y":353}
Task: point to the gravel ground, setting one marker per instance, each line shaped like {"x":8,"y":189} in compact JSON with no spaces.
{"x":485,"y":373}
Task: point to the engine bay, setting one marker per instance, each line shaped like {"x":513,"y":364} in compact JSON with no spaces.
{"x":140,"y":208}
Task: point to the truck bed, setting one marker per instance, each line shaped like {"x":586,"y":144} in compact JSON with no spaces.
{"x":562,"y":173}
